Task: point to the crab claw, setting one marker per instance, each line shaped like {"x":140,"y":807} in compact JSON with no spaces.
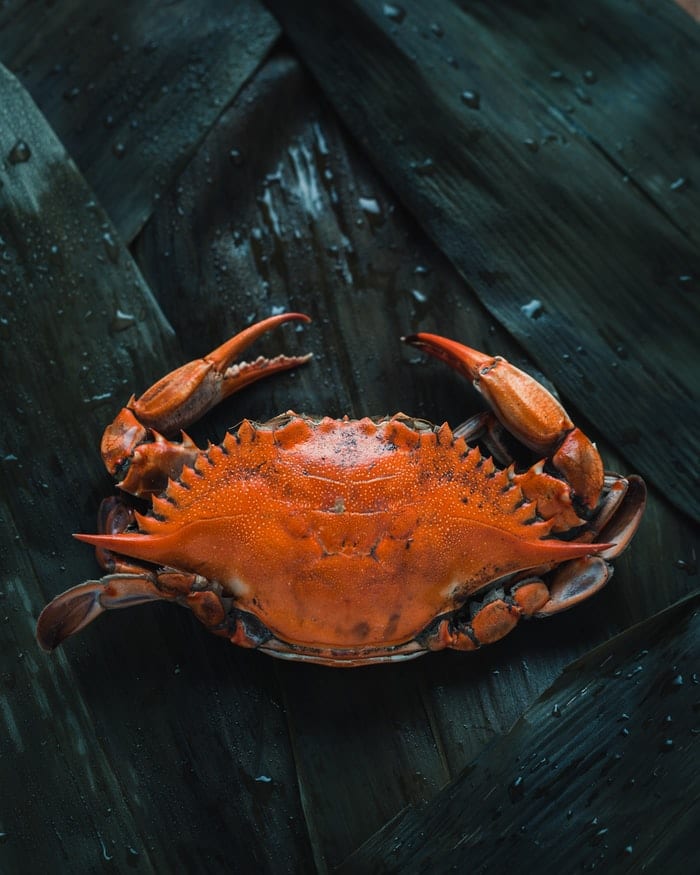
{"x":187,"y":393}
{"x":527,"y":410}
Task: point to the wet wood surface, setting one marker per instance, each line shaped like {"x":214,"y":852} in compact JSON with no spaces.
{"x":145,"y":743}
{"x":575,"y":806}
{"x":132,"y":88}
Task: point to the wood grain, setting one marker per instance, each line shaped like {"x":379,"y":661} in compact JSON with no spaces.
{"x":603,"y":770}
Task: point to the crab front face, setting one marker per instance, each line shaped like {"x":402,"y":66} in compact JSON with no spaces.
{"x":348,"y":542}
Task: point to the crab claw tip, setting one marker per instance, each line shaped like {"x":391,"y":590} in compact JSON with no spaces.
{"x":462,"y":358}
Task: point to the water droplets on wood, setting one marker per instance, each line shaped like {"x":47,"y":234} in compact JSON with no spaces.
{"x":235,"y":157}
{"x":20,"y":153}
{"x":470,"y":98}
{"x":122,"y":321}
{"x":394,"y":12}
{"x":533,"y":309}
{"x":426,"y":167}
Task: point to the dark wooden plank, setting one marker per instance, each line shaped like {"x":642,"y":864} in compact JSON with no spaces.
{"x":632,"y":98}
{"x":524,"y":197}
{"x":603,"y":771}
{"x":131,"y":88}
{"x":139,"y":747}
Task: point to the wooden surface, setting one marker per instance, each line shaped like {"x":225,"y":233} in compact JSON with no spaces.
{"x":146,"y":744}
{"x":576,"y":806}
{"x":132,"y":88}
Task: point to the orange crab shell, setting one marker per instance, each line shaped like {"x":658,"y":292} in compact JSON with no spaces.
{"x":345,"y":534}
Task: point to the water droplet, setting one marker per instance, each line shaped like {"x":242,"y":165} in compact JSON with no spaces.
{"x":108,"y":121}
{"x":556,"y":712}
{"x":71,"y":93}
{"x":666,"y":745}
{"x":122,"y":321}
{"x":533,"y":309}
{"x":19,"y":153}
{"x":628,"y":849}
{"x":590,"y":77}
{"x":690,"y":568}
{"x":235,"y":156}
{"x":437,"y":30}
{"x":424,"y":168}
{"x":599,"y":836}
{"x":583,"y":95}
{"x":394,"y":12}
{"x":557,"y":75}
{"x":677,"y":681}
{"x":263,"y":779}
{"x":531,"y":144}
{"x":99,"y":399}
{"x":679,"y":184}
{"x":111,"y":247}
{"x":370,"y":205}
{"x":472,"y":99}
{"x":119,"y":150}
{"x":419,"y":296}
{"x":516,"y":789}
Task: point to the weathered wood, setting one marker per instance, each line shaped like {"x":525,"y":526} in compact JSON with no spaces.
{"x":131,"y":88}
{"x":603,"y":771}
{"x":123,"y":748}
{"x":519,"y":180}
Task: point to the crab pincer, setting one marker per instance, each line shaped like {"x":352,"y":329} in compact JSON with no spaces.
{"x":136,"y":446}
{"x":528,"y":411}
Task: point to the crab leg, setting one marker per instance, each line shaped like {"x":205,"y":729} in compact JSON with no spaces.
{"x":528,"y":411}
{"x":74,"y":609}
{"x":134,"y":445}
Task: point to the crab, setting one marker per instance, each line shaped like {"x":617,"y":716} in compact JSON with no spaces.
{"x":350,"y":542}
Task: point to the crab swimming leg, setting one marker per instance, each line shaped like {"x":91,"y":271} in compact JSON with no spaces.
{"x":135,"y":446}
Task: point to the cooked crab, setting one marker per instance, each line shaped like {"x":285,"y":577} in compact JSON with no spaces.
{"x":350,"y":542}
